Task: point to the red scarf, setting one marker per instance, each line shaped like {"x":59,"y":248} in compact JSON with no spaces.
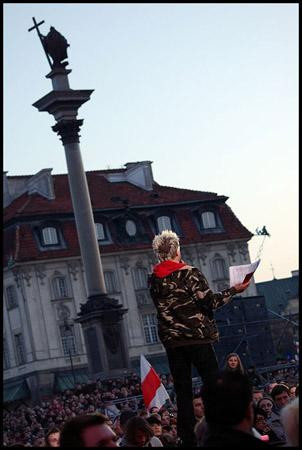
{"x":165,"y":268}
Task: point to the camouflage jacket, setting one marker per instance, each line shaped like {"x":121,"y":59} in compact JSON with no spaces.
{"x":185,"y":305}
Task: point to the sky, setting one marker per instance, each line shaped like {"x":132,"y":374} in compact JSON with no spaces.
{"x":208,"y":92}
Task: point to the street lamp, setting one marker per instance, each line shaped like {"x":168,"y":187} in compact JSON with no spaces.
{"x":68,"y":334}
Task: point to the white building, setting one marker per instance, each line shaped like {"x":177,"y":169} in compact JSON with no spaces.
{"x":44,"y":282}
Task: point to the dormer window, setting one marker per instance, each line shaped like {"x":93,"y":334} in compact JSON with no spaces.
{"x":100,"y":231}
{"x":130,"y":228}
{"x":164,"y":223}
{"x":50,"y":236}
{"x":208,"y":219}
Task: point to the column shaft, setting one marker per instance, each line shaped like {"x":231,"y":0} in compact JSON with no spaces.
{"x":84,"y":220}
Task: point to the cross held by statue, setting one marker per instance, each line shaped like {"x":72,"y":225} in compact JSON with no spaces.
{"x":36,"y":27}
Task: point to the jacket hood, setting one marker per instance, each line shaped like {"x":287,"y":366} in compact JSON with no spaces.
{"x":165,"y":268}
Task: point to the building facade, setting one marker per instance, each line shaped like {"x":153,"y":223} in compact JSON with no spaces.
{"x":44,"y":280}
{"x":282,"y":301}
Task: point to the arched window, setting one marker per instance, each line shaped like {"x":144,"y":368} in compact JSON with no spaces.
{"x":110,"y":281}
{"x":208,"y":219}
{"x":100,"y":231}
{"x":140,"y":278}
{"x":50,"y":236}
{"x":60,"y":287}
{"x":130,"y":228}
{"x":164,"y":223}
{"x":220,"y":271}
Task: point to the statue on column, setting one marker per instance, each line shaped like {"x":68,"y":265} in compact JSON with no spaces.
{"x":55,"y":45}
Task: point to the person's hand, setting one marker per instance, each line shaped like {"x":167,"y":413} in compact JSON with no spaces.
{"x":240,"y":287}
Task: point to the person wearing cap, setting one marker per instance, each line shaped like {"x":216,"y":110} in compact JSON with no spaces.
{"x":186,"y":324}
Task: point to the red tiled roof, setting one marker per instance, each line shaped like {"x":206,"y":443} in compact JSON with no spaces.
{"x":104,"y":196}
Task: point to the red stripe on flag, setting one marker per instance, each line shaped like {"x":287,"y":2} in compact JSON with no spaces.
{"x":150,"y":385}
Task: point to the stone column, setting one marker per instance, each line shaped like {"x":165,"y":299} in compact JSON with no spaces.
{"x":100,"y":316}
{"x":69,"y":132}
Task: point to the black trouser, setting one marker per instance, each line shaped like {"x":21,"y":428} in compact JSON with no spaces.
{"x":180,"y":359}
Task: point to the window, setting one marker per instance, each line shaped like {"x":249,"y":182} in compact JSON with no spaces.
{"x":110,"y":281}
{"x":131,"y":228}
{"x":208,"y":219}
{"x":50,"y":236}
{"x":100,"y":232}
{"x":163,"y":223}
{"x":60,"y":287}
{"x":141,"y":278}
{"x":150,"y":328}
{"x":20,"y":350}
{"x":68,"y":339}
{"x":12,"y":299}
{"x":6,"y":362}
{"x":220,"y":272}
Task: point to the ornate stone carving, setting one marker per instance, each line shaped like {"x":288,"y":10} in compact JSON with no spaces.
{"x":152,"y":259}
{"x":63,"y":312}
{"x":26,"y":275}
{"x":17,"y":276}
{"x":231,"y":251}
{"x":187,"y":256}
{"x":68,"y":130}
{"x":202,"y":254}
{"x":139,"y":263}
{"x":40,"y":272}
{"x":243,"y":250}
{"x":124,"y":260}
{"x":73,"y":268}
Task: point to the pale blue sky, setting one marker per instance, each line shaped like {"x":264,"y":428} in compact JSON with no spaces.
{"x":208,"y":92}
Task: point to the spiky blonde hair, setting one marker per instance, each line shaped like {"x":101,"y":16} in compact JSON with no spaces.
{"x":165,"y":245}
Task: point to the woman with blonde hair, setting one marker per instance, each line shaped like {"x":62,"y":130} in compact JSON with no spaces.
{"x":233,"y":363}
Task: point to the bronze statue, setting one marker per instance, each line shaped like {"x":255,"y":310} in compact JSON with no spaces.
{"x":55,"y":45}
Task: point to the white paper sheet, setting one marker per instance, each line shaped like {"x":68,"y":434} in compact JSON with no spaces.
{"x":240,"y":274}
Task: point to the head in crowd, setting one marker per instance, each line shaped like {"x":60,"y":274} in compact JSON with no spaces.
{"x":52,"y":438}
{"x":165,"y":417}
{"x":88,"y":431}
{"x":124,"y":417}
{"x":233,"y":363}
{"x":227,"y":400}
{"x":260,"y":422}
{"x":138,"y":432}
{"x":198,"y":407}
{"x":280,"y":395}
{"x":266,"y":404}
{"x":257,"y":395}
{"x":154,"y":410}
{"x":290,"y":422}
{"x":270,"y":387}
{"x":155,"y":423}
{"x":297,"y":391}
{"x":166,"y":245}
{"x":292,"y":392}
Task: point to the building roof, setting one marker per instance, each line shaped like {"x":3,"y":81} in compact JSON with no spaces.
{"x":109,"y":197}
{"x":278,"y":292}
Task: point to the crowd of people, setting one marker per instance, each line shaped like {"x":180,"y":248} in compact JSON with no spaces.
{"x":112,"y":413}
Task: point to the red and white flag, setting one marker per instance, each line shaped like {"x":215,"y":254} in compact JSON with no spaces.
{"x":154,"y":391}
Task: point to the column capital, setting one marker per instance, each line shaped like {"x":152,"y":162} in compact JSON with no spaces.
{"x":68,"y":130}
